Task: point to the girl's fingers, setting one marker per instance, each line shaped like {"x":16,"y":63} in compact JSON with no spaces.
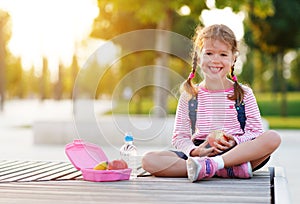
{"x":229,"y":137}
{"x":227,"y":144}
{"x":204,"y":144}
{"x":217,"y":151}
{"x":205,"y":151}
{"x":220,"y":146}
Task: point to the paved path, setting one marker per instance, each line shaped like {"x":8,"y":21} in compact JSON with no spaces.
{"x":287,"y":156}
{"x":17,"y":144}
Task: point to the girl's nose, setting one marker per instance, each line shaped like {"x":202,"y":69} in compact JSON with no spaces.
{"x":214,"y":58}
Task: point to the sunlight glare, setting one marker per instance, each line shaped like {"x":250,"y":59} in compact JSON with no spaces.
{"x":51,"y":29}
{"x":227,"y":17}
{"x":211,"y":4}
{"x":185,"y":10}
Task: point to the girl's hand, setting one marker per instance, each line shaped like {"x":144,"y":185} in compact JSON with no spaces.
{"x":222,"y":144}
{"x":203,"y":150}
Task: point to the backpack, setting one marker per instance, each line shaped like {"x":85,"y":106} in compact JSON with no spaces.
{"x":239,"y":106}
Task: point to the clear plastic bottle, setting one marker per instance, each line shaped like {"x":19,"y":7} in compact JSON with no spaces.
{"x":128,"y":153}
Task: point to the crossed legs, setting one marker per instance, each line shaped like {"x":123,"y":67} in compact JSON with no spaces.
{"x":168,"y":164}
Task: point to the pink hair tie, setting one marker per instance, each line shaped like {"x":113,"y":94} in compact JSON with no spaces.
{"x":234,"y":78}
{"x":192,"y":75}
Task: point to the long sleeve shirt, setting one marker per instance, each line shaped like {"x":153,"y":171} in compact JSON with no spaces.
{"x":215,"y":112}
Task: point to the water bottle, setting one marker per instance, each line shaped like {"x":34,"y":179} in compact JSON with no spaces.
{"x":128,"y":153}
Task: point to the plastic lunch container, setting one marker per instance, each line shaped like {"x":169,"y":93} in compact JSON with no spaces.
{"x":85,"y":156}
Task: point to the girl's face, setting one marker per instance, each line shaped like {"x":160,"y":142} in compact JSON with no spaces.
{"x":216,"y":60}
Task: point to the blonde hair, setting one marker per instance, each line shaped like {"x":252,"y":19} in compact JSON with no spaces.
{"x":215,"y":32}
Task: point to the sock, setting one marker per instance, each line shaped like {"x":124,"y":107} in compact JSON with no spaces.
{"x":219,"y":160}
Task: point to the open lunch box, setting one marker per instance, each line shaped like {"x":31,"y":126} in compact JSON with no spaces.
{"x":85,"y":156}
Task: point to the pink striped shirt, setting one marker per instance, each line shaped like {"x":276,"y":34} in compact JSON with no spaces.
{"x":215,"y":112}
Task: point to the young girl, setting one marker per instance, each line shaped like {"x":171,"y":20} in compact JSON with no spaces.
{"x":243,"y":150}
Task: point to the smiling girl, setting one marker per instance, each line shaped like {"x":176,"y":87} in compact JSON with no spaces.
{"x":243,"y":149}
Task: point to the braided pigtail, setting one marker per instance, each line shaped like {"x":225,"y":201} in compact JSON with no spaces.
{"x":188,"y":85}
{"x":238,"y":93}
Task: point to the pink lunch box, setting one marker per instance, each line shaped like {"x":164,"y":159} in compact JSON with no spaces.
{"x":85,"y":156}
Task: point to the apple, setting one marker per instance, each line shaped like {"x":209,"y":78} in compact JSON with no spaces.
{"x":117,"y":164}
{"x":215,"y":135}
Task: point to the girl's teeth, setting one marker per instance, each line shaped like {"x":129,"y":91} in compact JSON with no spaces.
{"x":215,"y":69}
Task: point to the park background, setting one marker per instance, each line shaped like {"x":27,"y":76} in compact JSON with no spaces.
{"x":41,"y":56}
{"x":44,"y":45}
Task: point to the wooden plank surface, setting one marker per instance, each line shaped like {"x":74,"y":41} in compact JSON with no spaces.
{"x":35,"y":171}
{"x":63,"y":185}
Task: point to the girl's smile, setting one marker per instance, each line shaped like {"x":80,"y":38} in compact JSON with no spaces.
{"x":215,"y":69}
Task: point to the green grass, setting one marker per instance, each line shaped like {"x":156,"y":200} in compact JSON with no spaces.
{"x":270,"y":105}
{"x":291,"y":96}
{"x":283,"y":122}
{"x":270,"y":108}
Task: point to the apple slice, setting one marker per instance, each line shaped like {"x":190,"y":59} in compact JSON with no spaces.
{"x":101,"y":166}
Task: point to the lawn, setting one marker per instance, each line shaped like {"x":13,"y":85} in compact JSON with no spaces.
{"x":270,"y":108}
{"x":270,"y":105}
{"x":276,"y":122}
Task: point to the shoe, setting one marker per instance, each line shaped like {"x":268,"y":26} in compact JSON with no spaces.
{"x":240,"y":171}
{"x":200,"y":167}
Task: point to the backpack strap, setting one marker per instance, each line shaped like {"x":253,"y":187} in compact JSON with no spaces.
{"x":239,"y":106}
{"x":193,"y":104}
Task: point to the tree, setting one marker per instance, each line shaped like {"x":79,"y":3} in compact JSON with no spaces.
{"x":273,"y":28}
{"x":58,"y":85}
{"x":117,"y":17}
{"x":253,"y":9}
{"x":276,"y":35}
{"x":295,"y":69}
{"x":3,"y":40}
{"x":45,"y":81}
{"x":70,"y":74}
{"x":15,"y":78}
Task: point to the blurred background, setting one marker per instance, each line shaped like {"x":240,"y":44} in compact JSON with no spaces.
{"x":54,"y":53}
{"x":44,"y":44}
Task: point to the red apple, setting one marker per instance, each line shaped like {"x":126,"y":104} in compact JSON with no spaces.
{"x":215,"y":135}
{"x":117,"y":164}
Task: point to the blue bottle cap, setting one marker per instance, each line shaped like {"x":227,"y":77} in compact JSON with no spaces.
{"x":128,"y":138}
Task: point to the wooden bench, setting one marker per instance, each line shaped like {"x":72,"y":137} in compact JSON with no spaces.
{"x":51,"y":182}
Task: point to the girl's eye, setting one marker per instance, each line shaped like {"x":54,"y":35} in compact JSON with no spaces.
{"x":224,"y":55}
{"x":208,"y":53}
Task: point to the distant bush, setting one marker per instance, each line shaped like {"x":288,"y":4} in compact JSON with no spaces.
{"x":270,"y":105}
